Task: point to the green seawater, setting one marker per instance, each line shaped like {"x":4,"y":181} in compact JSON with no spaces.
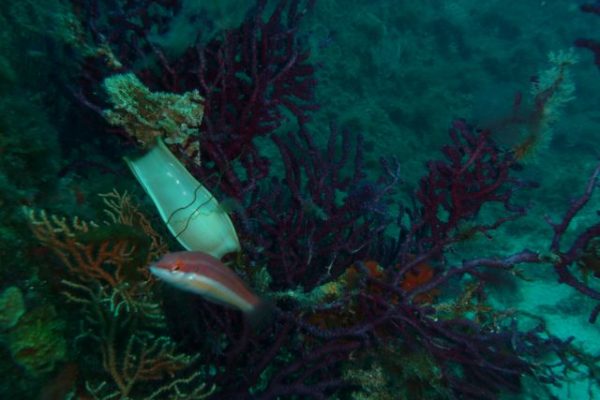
{"x":395,"y":72}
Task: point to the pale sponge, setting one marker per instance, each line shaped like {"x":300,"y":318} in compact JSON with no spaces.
{"x":147,"y":115}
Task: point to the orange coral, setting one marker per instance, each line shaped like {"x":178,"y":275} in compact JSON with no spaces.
{"x":109,"y":282}
{"x":418,"y":276}
{"x":352,"y":274}
{"x":350,"y":280}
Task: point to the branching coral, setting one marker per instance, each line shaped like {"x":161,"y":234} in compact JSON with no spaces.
{"x":108,"y":280}
{"x":475,"y":172}
{"x":334,"y":218}
{"x":111,"y":255}
{"x":565,"y":260}
{"x":551,"y":91}
{"x":337,"y":310}
{"x":254,"y":78}
{"x":591,"y":44}
{"x":143,"y":357}
{"x":310,"y":218}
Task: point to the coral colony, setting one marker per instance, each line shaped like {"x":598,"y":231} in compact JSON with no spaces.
{"x":365,"y":298}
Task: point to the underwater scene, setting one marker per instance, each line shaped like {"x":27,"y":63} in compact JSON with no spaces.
{"x":299,"y":199}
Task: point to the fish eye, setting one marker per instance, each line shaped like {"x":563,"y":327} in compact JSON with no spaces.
{"x":177,"y":265}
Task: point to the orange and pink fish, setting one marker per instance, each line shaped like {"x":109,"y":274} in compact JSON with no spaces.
{"x":203,"y":274}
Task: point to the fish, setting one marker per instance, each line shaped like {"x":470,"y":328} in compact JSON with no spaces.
{"x":200,"y":273}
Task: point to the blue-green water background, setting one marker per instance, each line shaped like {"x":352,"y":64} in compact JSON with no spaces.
{"x":397,"y":72}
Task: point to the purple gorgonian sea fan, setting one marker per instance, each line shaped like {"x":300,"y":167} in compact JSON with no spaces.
{"x":344,"y":289}
{"x":315,"y":231}
{"x":253,"y":78}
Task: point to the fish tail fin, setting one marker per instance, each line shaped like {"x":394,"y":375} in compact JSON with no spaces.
{"x":261,"y":315}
